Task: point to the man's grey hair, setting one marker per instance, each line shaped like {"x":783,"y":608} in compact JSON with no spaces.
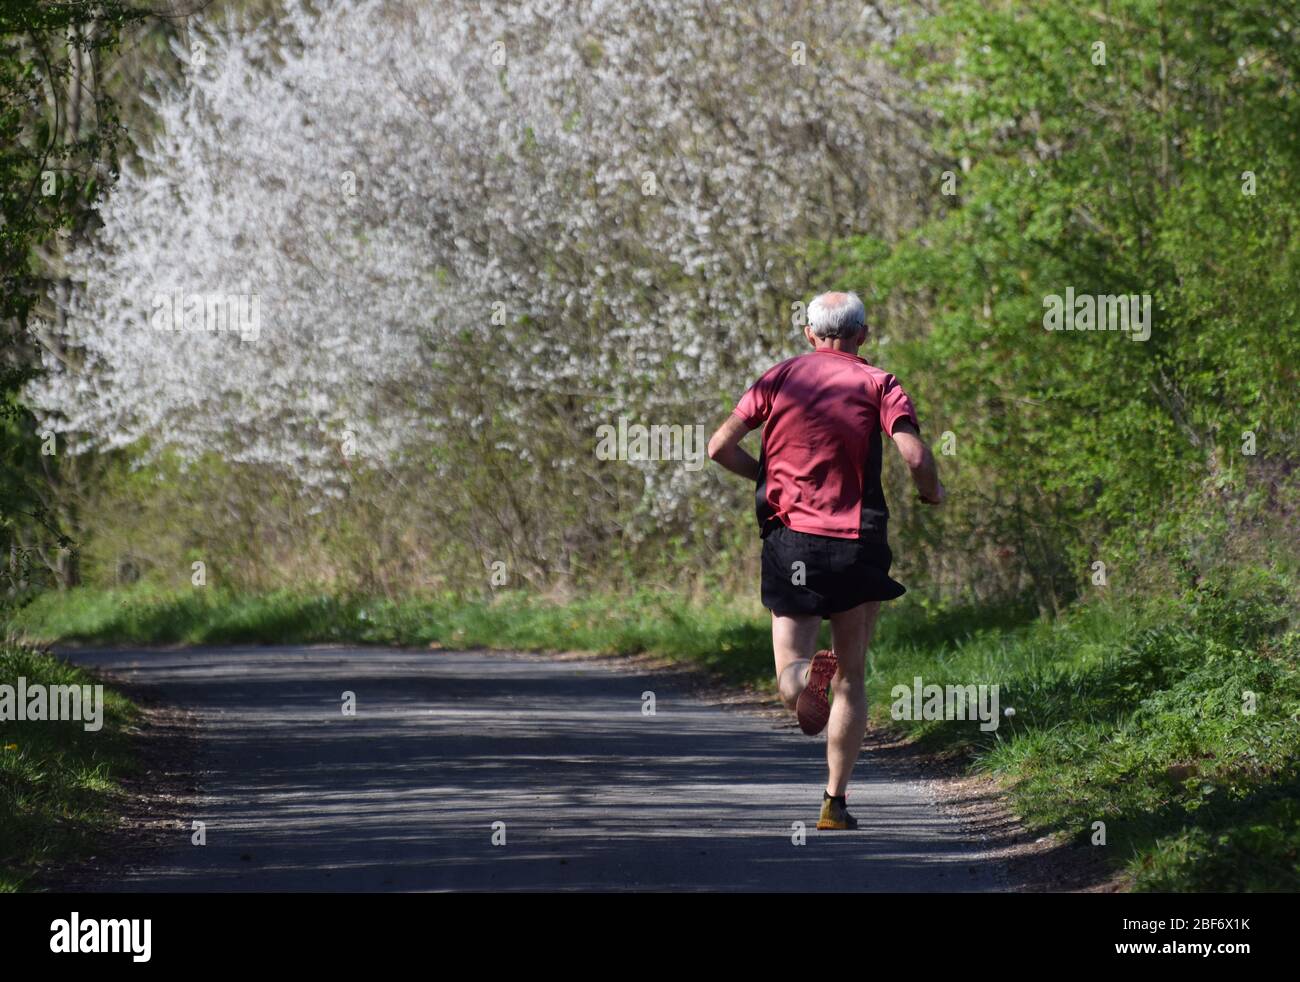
{"x":836,"y":315}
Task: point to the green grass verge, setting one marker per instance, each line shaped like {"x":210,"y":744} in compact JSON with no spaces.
{"x":1173,"y":722}
{"x":58,"y":782}
{"x":1176,"y":725}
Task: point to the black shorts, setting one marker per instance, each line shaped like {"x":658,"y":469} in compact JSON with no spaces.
{"x":817,"y":574}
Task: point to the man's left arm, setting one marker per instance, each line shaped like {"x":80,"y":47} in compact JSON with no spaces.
{"x":724,"y":447}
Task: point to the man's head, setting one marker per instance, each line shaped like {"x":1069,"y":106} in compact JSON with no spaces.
{"x":836,"y":320}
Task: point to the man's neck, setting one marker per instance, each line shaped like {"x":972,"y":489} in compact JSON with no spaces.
{"x":837,"y":344}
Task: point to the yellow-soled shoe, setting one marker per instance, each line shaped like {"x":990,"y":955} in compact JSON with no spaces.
{"x":835,"y":816}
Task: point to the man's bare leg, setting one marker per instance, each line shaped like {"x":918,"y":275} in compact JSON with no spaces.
{"x":794,"y":642}
{"x":851,"y":631}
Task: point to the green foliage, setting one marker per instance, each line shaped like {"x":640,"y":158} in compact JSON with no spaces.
{"x":59,"y":131}
{"x":1176,"y":722}
{"x":58,"y":782}
{"x":1119,"y":178}
{"x":50,"y":156}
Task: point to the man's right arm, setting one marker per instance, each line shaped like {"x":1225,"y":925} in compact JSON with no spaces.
{"x":725,"y":448}
{"x":920,"y":461}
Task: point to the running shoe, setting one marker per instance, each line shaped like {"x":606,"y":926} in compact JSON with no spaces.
{"x":835,"y":815}
{"x":814,"y":708}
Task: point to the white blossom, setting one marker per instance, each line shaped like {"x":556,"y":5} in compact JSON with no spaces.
{"x":379,"y":183}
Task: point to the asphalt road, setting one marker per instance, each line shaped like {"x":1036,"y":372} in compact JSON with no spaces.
{"x":593,"y":793}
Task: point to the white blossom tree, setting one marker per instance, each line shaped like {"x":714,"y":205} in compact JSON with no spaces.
{"x":479,"y":230}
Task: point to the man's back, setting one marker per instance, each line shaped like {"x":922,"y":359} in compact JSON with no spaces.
{"x":819,"y":471}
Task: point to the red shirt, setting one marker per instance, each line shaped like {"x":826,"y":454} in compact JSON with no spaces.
{"x":819,"y":470}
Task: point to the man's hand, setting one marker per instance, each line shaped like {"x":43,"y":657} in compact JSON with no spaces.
{"x":938,"y":500}
{"x":724,"y":447}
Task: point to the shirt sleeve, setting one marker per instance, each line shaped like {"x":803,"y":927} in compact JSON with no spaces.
{"x":756,"y":404}
{"x":895,"y":404}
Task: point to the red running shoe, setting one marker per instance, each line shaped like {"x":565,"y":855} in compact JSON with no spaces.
{"x":814,"y":708}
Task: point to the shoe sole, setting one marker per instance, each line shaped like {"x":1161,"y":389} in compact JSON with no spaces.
{"x":825,"y":826}
{"x":813,"y":708}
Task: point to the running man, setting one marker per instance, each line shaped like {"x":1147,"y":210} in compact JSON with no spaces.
{"x":822,"y":517}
